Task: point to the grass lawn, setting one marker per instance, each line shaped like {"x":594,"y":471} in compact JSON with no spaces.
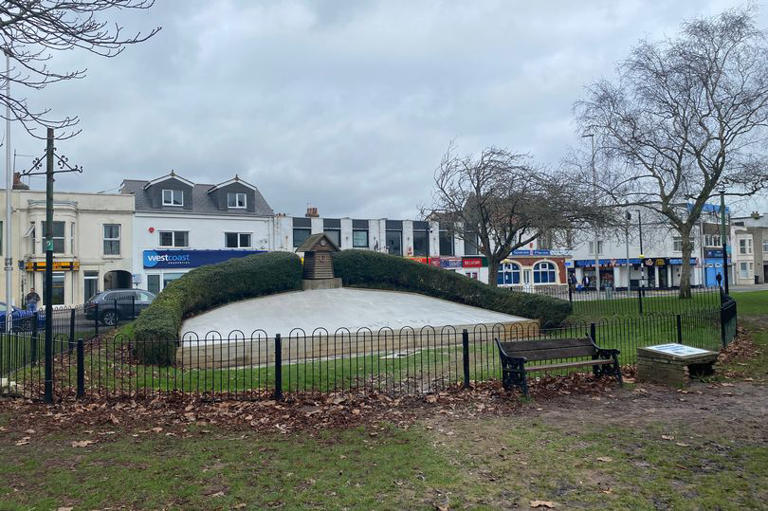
{"x":636,"y":450}
{"x":477,"y":464}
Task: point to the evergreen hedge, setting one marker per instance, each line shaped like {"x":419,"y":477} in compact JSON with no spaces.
{"x":157,"y":327}
{"x":367,"y":269}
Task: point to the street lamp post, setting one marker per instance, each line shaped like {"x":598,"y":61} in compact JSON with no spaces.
{"x":591,"y":136}
{"x":8,"y":186}
{"x":724,"y":236}
{"x":642,"y":263}
{"x":626,"y":238}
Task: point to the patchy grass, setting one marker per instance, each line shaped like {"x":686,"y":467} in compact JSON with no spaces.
{"x":394,"y":469}
{"x":657,"y":466}
{"x":487,"y":463}
{"x":751,"y":303}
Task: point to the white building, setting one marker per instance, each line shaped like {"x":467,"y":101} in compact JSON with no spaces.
{"x":659,"y":264}
{"x":180,"y":225}
{"x":92,"y":240}
{"x":423,"y":241}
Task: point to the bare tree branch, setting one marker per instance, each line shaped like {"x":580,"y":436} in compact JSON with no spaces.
{"x":32,"y":31}
{"x":686,"y":116}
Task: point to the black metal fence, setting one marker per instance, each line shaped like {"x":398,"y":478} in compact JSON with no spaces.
{"x":590,"y":303}
{"x":259,"y":364}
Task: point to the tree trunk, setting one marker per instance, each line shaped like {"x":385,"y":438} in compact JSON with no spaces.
{"x":685,"y":272}
{"x":493,"y":268}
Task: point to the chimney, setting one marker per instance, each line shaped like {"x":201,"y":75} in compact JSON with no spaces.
{"x":312,"y":212}
{"x":17,"y":184}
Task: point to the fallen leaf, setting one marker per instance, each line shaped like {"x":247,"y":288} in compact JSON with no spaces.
{"x":23,"y":441}
{"x":542,"y":503}
{"x":605,"y":459}
{"x":681,"y":444}
{"x":157,"y":429}
{"x":64,"y":508}
{"x":431,"y":398}
{"x":82,"y":443}
{"x":667,"y":437}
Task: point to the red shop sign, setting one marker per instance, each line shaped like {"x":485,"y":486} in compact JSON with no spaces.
{"x":472,"y":263}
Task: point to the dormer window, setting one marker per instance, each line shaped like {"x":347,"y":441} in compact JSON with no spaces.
{"x":236,"y":200}
{"x":173,"y":198}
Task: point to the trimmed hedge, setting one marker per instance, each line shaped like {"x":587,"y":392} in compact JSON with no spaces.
{"x":363,"y":268}
{"x":205,"y":288}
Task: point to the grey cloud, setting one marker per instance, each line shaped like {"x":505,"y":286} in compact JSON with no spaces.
{"x":347,"y":105}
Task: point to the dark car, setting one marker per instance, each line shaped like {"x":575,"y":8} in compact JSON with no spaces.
{"x":21,"y":320}
{"x":116,"y":305}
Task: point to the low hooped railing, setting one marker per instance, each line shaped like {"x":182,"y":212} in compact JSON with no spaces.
{"x":266,"y":365}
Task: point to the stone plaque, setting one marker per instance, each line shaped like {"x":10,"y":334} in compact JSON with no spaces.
{"x":678,"y":350}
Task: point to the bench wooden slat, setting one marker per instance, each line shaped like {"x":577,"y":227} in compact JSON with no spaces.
{"x":553,"y":353}
{"x":567,"y":364}
{"x":530,"y":345}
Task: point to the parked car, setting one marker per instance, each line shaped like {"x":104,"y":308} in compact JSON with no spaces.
{"x":116,"y":305}
{"x":21,"y":320}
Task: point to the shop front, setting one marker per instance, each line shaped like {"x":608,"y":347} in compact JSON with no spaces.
{"x":161,"y":267}
{"x":529,"y":269}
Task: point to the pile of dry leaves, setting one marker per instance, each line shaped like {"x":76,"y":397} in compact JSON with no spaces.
{"x":174,"y":414}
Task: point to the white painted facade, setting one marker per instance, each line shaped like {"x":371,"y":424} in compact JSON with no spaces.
{"x":91,"y":263}
{"x":204,"y":232}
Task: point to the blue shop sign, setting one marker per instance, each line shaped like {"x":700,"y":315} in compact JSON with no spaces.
{"x":713,"y":252}
{"x":180,"y":259}
{"x":537,"y":252}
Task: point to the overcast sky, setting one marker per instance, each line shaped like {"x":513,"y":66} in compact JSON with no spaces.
{"x":345,"y":105}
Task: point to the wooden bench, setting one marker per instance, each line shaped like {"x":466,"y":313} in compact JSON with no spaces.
{"x":514,"y":355}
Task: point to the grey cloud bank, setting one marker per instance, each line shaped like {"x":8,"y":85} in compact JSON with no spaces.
{"x":345,"y":105}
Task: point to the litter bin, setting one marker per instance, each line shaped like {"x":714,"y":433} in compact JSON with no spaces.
{"x":757,"y":279}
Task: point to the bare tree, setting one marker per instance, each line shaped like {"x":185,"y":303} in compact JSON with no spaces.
{"x":33,"y":30}
{"x":685,"y":117}
{"x":505,"y":202}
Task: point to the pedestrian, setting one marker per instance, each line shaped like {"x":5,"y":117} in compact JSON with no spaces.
{"x":586,"y":282}
{"x":718,"y":278}
{"x":32,"y":299}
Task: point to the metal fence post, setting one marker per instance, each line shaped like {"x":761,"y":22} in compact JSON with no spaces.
{"x":570,"y":293}
{"x":679,"y":323}
{"x":96,"y":321}
{"x":117,"y":316}
{"x":723,"y":336}
{"x":80,"y":368}
{"x":593,"y":332}
{"x":133,"y":306}
{"x":33,"y":340}
{"x":640,"y":298}
{"x":71,"y":331}
{"x":278,"y":368}
{"x":465,"y":354}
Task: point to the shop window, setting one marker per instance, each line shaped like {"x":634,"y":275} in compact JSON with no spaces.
{"x":173,"y":198}
{"x":236,"y":200}
{"x":174,"y":238}
{"x":31,"y":232}
{"x":90,"y":284}
{"x":599,"y":247}
{"x":508,"y":274}
{"x":446,"y":241}
{"x":170,"y":277}
{"x":237,"y":239}
{"x":395,"y":242}
{"x":57,"y":289}
{"x":421,"y":243}
{"x":153,"y":283}
{"x":544,"y":273}
{"x":743,"y":271}
{"x":300,"y":235}
{"x":360,"y":239}
{"x":59,"y":229}
{"x":470,"y":243}
{"x":111,"y":239}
